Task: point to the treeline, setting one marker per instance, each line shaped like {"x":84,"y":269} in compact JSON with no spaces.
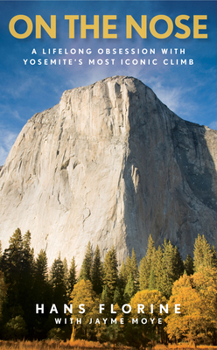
{"x":24,"y":282}
{"x":162,"y":277}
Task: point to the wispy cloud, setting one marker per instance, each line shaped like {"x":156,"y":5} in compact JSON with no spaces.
{"x":169,"y":96}
{"x":7,"y":139}
{"x":7,"y":112}
{"x":175,"y":96}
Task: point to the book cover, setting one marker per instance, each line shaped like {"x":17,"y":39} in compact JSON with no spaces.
{"x":108,"y":186}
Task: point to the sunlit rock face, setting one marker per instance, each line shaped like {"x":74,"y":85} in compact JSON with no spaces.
{"x":110,"y":164}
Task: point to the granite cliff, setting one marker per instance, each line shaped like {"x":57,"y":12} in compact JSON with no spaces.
{"x":110,"y":164}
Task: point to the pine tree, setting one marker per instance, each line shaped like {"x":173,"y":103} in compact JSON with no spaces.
{"x":105,"y":296}
{"x":66,"y":271}
{"x":41,"y":276}
{"x":157,"y":267}
{"x":117,"y":297}
{"x":167,"y":277}
{"x":204,"y":255}
{"x":146,"y":265}
{"x":143,"y":283}
{"x":131,"y":267}
{"x":96,"y":272}
{"x":42,"y":294}
{"x":110,"y":278}
{"x":198,"y":252}
{"x":57,"y":282}
{"x":189,"y":265}
{"x":28,"y":262}
{"x":122,"y":279}
{"x":72,"y":276}
{"x":127,"y":268}
{"x":134,"y":271}
{"x":66,"y":278}
{"x":152,"y":283}
{"x":129,"y":289}
{"x":0,"y":252}
{"x":150,"y":251}
{"x":17,"y":266}
{"x":171,"y":268}
{"x":214,"y":257}
{"x":85,"y":273}
{"x":178,"y":266}
{"x":27,"y":280}
{"x":27,"y":245}
{"x":11,"y":266}
{"x":3,"y":291}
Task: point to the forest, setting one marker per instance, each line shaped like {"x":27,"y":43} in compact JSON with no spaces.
{"x":162,"y":277}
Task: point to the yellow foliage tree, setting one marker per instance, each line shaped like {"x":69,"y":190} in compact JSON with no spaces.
{"x":197,"y":296}
{"x":152,"y":329}
{"x":83,"y":294}
{"x":205,"y":281}
{"x":147,"y":297}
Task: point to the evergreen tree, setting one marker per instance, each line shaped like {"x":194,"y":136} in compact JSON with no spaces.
{"x":27,"y":263}
{"x":127,"y":268}
{"x":85,"y":273}
{"x":66,"y":271}
{"x":0,"y":252}
{"x":198,"y":252}
{"x":42,"y":294}
{"x":189,"y":265}
{"x":66,"y":279}
{"x":122,"y":274}
{"x":17,"y":266}
{"x":72,"y":276}
{"x":57,"y":282}
{"x":41,"y":276}
{"x":3,"y":291}
{"x":157,"y":267}
{"x":117,"y":297}
{"x":13,"y":256}
{"x":27,"y":280}
{"x":167,"y":277}
{"x":214,"y":257}
{"x":204,"y":255}
{"x":152,"y":283}
{"x":105,"y":295}
{"x":110,"y":278}
{"x":129,"y":289}
{"x":171,"y":268}
{"x":122,"y":279}
{"x":131,"y":267}
{"x":106,"y":299}
{"x":178,"y":266}
{"x":27,"y":246}
{"x":146,"y":265}
{"x":11,"y":265}
{"x":143,"y":284}
{"x":96,"y":272}
{"x":58,"y":289}
{"x":134,"y":270}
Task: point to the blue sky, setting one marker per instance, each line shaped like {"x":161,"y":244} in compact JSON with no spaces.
{"x":189,"y":90}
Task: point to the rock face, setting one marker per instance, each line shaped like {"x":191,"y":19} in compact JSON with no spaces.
{"x":110,"y":164}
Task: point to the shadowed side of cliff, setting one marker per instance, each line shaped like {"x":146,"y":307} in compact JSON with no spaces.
{"x":170,"y":176}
